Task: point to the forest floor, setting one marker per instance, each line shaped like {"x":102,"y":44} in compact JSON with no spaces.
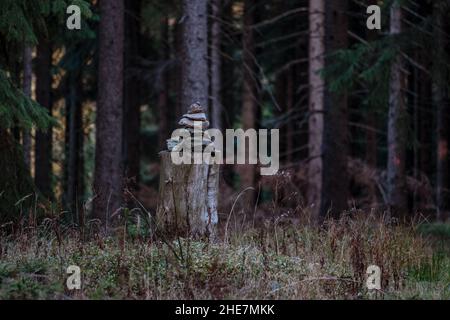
{"x":274,"y":262}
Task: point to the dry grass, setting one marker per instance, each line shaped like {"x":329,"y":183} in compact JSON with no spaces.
{"x":273,"y":262}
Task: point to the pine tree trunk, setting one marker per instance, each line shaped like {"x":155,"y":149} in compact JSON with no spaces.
{"x":228,"y":86}
{"x":289,"y":109}
{"x":371,"y":149}
{"x":74,"y":145}
{"x":371,"y":139}
{"x":216,"y":65}
{"x":195,"y":53}
{"x":43,"y":147}
{"x":425,"y":124}
{"x":108,"y":152}
{"x":131,"y":102}
{"x":27,"y":79}
{"x":441,"y":103}
{"x":247,"y":172}
{"x":316,"y":105}
{"x":396,"y":182}
{"x":228,"y":78}
{"x":163,"y":86}
{"x":416,"y":129}
{"x":335,"y":181}
{"x":187,"y":198}
{"x":370,"y":118}
{"x":175,"y":75}
{"x":281,"y":99}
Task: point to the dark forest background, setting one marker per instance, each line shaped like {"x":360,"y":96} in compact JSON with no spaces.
{"x":363,"y":114}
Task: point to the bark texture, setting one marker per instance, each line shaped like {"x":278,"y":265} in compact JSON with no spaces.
{"x":108,"y":151}
{"x":195,"y":53}
{"x":247,"y":172}
{"x":164,"y":112}
{"x":396,"y":180}
{"x":216,"y":65}
{"x":316,"y":103}
{"x":187,"y":198}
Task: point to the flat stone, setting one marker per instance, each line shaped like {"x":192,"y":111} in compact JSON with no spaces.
{"x":171,"y":143}
{"x":195,"y":108}
{"x":195,"y":116}
{"x":188,"y":123}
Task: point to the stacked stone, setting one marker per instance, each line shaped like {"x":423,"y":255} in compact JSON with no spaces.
{"x":194,"y":117}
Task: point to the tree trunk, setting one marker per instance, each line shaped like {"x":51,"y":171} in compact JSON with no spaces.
{"x":335,"y":182}
{"x":416,"y":129}
{"x":290,"y":134}
{"x":425,"y":119}
{"x":175,"y":78}
{"x":216,"y":65}
{"x":370,"y":116}
{"x":108,"y":151}
{"x":131,"y":102}
{"x":195,"y":52}
{"x":163,"y":95}
{"x":396,"y":181}
{"x":43,"y":151}
{"x":247,"y":172}
{"x":228,"y":84}
{"x":27,"y":79}
{"x":316,"y":104}
{"x":281,"y":99}
{"x":74,"y":145}
{"x":441,"y":104}
{"x":187,"y":198}
{"x":371,"y":139}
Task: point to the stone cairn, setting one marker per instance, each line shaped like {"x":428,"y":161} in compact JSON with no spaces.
{"x":188,"y":193}
{"x":196,"y":119}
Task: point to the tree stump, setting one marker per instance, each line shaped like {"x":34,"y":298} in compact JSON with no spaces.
{"x":187,"y":198}
{"x":188,"y":192}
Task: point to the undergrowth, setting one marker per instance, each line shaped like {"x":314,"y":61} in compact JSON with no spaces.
{"x":271,"y":262}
